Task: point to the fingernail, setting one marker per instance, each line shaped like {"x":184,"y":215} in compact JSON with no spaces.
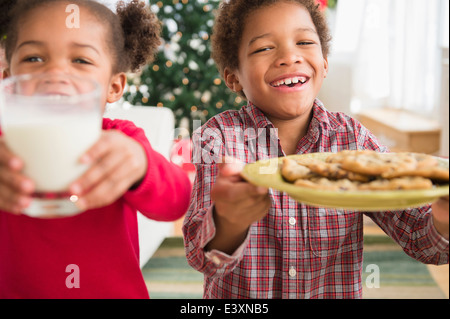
{"x":27,"y":186}
{"x":15,"y":163}
{"x":75,"y":189}
{"x":81,"y":204}
{"x":24,"y":202}
{"x":86,"y":159}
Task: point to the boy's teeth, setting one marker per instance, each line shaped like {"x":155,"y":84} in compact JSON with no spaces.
{"x":289,"y":81}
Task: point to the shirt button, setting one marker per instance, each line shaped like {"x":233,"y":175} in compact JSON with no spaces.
{"x":292,"y":221}
{"x":292,"y":272}
{"x":216,"y":260}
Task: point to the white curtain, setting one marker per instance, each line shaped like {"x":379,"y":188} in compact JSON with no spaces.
{"x":394,"y":47}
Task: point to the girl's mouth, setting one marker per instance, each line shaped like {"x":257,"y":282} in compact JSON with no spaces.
{"x":295,"y":81}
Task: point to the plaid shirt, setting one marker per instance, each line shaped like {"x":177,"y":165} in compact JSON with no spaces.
{"x":296,"y":251}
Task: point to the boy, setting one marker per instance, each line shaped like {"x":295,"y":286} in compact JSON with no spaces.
{"x":251,"y":242}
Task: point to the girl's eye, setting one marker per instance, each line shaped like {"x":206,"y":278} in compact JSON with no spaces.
{"x":81,"y":61}
{"x":304,"y":43}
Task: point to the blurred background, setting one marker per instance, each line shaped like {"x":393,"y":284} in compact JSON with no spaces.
{"x":388,"y":67}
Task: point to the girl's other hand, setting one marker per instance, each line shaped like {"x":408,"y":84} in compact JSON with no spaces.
{"x":15,"y":188}
{"x":117,"y":162}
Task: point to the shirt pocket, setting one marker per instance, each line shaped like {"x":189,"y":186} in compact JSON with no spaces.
{"x":333,"y":231}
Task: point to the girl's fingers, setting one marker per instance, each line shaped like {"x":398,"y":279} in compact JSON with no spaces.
{"x":16,"y":181}
{"x":112,"y":150}
{"x":13,"y":202}
{"x":100,"y":171}
{"x":107,"y":190}
{"x":117,"y":162}
{"x":8,"y":159}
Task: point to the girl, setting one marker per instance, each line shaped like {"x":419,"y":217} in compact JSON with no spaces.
{"x":251,"y":242}
{"x":39,"y":257}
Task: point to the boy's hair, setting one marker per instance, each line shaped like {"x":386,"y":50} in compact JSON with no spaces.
{"x":230,"y":22}
{"x":133,"y":34}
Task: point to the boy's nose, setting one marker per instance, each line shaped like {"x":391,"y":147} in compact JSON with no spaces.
{"x":288,"y":56}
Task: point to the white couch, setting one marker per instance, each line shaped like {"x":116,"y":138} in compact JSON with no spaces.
{"x":158,"y":124}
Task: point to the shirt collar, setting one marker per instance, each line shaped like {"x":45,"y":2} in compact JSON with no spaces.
{"x":258,"y":118}
{"x":322,"y":120}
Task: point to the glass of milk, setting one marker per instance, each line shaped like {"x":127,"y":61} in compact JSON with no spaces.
{"x":50,"y":121}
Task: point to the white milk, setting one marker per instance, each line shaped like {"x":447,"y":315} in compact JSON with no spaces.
{"x":52,"y":151}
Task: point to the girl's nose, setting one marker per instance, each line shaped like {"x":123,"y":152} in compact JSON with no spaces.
{"x":56,"y":67}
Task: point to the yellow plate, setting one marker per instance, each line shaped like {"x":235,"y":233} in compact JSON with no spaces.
{"x":267,"y":173}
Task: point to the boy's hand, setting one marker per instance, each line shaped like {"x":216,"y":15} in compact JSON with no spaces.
{"x":15,"y":188}
{"x":440,"y":212}
{"x":117,"y":162}
{"x":237,"y":205}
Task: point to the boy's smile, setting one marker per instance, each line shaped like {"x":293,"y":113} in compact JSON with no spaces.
{"x":281,"y":66}
{"x":290,"y":82}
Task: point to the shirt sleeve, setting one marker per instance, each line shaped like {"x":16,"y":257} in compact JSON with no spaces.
{"x":199,"y":228}
{"x":414,"y":231}
{"x":164,"y":193}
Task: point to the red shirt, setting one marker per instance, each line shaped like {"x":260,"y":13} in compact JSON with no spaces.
{"x":36,"y":254}
{"x":296,"y":251}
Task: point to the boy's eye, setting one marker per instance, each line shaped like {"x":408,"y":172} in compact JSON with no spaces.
{"x":304,"y":43}
{"x":261,"y":50}
{"x":33,"y":59}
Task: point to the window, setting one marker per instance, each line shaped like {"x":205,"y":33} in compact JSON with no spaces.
{"x":394,"y":47}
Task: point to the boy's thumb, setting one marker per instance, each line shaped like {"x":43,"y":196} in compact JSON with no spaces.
{"x":230,"y":167}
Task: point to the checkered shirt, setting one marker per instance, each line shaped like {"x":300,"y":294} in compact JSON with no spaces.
{"x":296,"y":251}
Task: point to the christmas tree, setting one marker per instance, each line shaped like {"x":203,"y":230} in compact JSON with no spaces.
{"x":184,"y":78}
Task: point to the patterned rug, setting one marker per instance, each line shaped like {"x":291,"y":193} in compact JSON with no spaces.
{"x":168,"y":275}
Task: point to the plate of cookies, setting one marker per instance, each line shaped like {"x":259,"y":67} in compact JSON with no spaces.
{"x":355,"y":179}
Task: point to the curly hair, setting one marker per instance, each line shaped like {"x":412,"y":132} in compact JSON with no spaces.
{"x":133,"y":33}
{"x":230,"y":23}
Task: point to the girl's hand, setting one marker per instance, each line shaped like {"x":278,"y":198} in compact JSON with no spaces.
{"x":117,"y":162}
{"x":15,"y":188}
{"x":237,"y":205}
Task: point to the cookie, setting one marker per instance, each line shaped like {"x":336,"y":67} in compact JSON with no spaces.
{"x":424,"y":160}
{"x":373,"y":163}
{"x":438,"y":174}
{"x":292,"y":171}
{"x":400,"y":183}
{"x":426,"y":166}
{"x":366,"y":170}
{"x":335,"y":171}
{"x":326,"y":184}
{"x":340,"y":156}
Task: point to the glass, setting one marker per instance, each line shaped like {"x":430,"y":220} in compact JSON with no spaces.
{"x":50,"y":121}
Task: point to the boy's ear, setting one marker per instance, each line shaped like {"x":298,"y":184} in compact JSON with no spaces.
{"x":6,"y":73}
{"x":325,"y":67}
{"x":232,"y":80}
{"x":116,"y":87}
